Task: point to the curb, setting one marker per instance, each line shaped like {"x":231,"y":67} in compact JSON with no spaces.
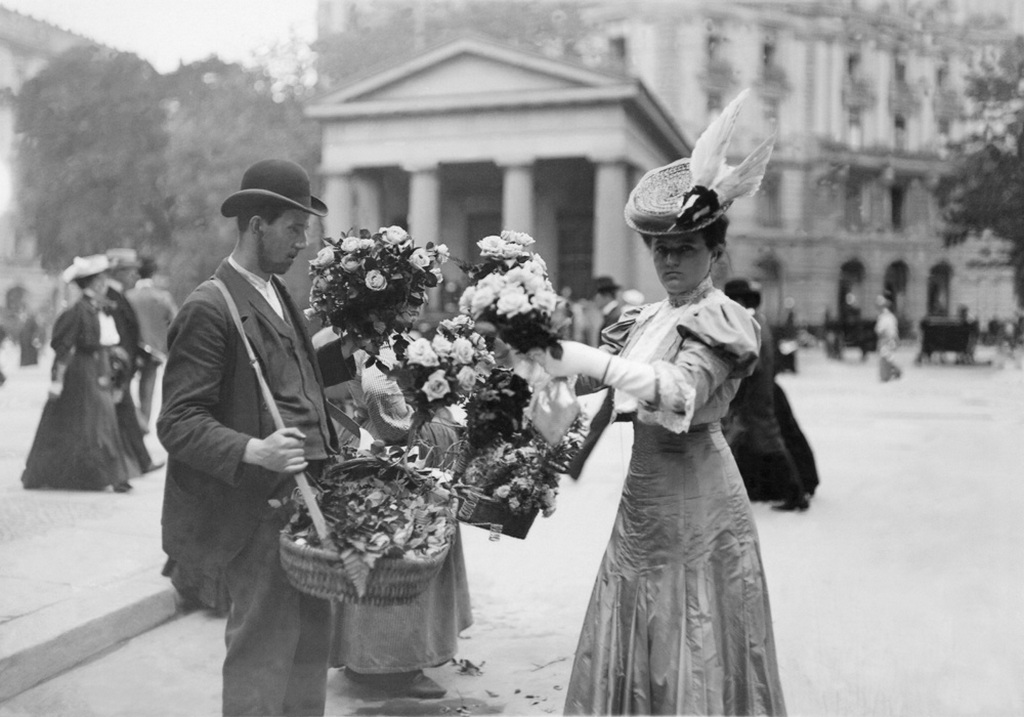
{"x":52,"y":640}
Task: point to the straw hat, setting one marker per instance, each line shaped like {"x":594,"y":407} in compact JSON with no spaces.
{"x":86,"y":266}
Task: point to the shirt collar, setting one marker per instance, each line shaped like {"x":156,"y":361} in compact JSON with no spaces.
{"x":257,"y":281}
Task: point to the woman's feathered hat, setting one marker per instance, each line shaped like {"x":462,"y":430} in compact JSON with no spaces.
{"x":691,"y":193}
{"x":86,"y":266}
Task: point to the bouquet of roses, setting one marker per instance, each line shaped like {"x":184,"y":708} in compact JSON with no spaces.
{"x":505,"y":458}
{"x":363,"y":282}
{"x":443,"y":371}
{"x":510,"y":290}
{"x":377,"y":506}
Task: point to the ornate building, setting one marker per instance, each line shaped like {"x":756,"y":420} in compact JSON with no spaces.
{"x":865,"y":96}
{"x":26,"y":45}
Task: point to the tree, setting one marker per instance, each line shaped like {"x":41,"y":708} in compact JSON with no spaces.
{"x":986,"y":188}
{"x":91,"y":156}
{"x":221,"y":118}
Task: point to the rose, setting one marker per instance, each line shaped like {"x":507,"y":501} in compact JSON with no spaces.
{"x":420,"y":352}
{"x":482,"y":298}
{"x":375,"y":281}
{"x":441,"y":346}
{"x":491,"y":245}
{"x":466,"y":378}
{"x":502,"y":492}
{"x":442,"y":252}
{"x":351,"y":263}
{"x":324,"y":257}
{"x":351,"y":244}
{"x":513,"y":301}
{"x":436,"y":386}
{"x":366,"y":244}
{"x":419,"y":258}
{"x":520,"y":238}
{"x":466,"y":300}
{"x":394,"y":234}
{"x":546,"y":301}
{"x":462,"y":349}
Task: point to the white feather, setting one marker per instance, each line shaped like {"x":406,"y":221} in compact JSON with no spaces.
{"x":745,"y":179}
{"x":710,"y":148}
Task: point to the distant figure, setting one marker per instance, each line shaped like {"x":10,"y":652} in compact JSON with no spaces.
{"x":752,"y":427}
{"x":888,"y":333}
{"x":124,"y":266}
{"x":155,"y":310}
{"x":606,"y":299}
{"x":30,"y":339}
{"x":78,"y":444}
{"x":633,"y":297}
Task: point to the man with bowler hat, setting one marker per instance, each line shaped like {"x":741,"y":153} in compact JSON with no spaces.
{"x":231,"y":473}
{"x":124,"y":272}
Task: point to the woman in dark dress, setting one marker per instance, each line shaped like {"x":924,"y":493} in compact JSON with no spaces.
{"x":78,"y":445}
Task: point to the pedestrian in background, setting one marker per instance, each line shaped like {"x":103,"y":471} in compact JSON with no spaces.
{"x":752,"y":427}
{"x":155,"y":310}
{"x":124,"y":272}
{"x":230,"y":477}
{"x":888,"y":332}
{"x":78,"y":443}
{"x":679,"y":620}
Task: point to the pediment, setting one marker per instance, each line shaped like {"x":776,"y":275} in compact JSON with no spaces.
{"x":469,"y":67}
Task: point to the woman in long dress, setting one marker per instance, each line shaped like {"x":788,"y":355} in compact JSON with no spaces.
{"x":77,"y":444}
{"x":679,"y":619}
{"x":387,"y":647}
{"x":888,"y":332}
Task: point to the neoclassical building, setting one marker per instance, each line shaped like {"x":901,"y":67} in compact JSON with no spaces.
{"x":473,"y":137}
{"x":865,"y":96}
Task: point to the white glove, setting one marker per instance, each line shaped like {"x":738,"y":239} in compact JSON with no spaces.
{"x":634,"y":378}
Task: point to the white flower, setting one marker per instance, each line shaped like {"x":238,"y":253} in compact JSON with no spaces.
{"x":309,"y":313}
{"x":466,"y":378}
{"x":466,"y":300}
{"x":482,"y":298}
{"x":324,"y":257}
{"x":437,"y":274}
{"x":442,"y":253}
{"x":351,"y":263}
{"x":436,"y":386}
{"x":520,"y":238}
{"x":375,"y":281}
{"x":420,"y":258}
{"x":502,"y":492}
{"x":441,"y":346}
{"x":491,"y":245}
{"x":351,"y":244}
{"x":546,"y":301}
{"x":394,"y":234}
{"x":420,"y":352}
{"x":366,"y":244}
{"x":462,"y":348}
{"x":493,"y":282}
{"x":512,"y":302}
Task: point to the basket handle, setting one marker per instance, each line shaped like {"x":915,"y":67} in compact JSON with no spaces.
{"x":300,"y":478}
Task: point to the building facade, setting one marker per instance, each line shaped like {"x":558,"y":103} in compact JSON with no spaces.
{"x":865,"y":97}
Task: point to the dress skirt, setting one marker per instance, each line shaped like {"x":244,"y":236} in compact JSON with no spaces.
{"x":679,"y":620}
{"x":78,"y":443}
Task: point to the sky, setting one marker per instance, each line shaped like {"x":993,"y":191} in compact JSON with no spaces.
{"x":168,"y":32}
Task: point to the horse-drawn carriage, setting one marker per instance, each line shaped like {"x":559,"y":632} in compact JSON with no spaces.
{"x":941,"y":335}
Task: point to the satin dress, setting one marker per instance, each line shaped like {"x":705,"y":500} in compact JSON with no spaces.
{"x":679,"y":620}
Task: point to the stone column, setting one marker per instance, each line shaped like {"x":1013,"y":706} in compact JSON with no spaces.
{"x":425,"y":212}
{"x":612,"y":255}
{"x":340,"y":203}
{"x":517,"y":202}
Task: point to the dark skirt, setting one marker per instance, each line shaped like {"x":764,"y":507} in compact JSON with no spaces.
{"x":78,"y":445}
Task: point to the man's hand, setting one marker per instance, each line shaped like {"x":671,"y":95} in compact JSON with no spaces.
{"x":281,"y":452}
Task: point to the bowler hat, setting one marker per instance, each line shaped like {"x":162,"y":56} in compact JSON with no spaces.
{"x":274,"y":180}
{"x":744,"y":292}
{"x":605,"y":285}
{"x":85,"y":266}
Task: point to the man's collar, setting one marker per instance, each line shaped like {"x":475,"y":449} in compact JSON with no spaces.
{"x":254,"y":279}
{"x":115,"y":285}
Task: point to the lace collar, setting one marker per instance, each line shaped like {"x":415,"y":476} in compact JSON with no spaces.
{"x":693,"y":295}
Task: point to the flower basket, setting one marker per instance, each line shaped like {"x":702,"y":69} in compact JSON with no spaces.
{"x":390,"y":527}
{"x":323,"y":573}
{"x":484,"y":512}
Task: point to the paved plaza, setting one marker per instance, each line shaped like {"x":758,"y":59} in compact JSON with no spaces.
{"x":897,"y":593}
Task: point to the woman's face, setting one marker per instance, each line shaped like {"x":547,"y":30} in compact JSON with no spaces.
{"x":681,"y":261}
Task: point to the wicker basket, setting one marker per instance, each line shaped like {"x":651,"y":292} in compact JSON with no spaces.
{"x":322,"y":573}
{"x":485,"y":512}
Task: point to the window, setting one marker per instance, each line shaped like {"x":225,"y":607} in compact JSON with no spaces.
{"x":897,"y":198}
{"x":852,"y":214}
{"x":854,"y":131}
{"x":714,"y":103}
{"x":768,"y":53}
{"x":714,"y":44}
{"x":771,"y":109}
{"x":618,"y":48}
{"x":853,"y":65}
{"x":899,"y":70}
{"x":770,"y":214}
{"x":900,"y":132}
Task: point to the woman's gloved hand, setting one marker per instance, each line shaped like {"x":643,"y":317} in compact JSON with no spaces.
{"x":634,"y":378}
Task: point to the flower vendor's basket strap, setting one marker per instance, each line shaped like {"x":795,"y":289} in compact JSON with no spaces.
{"x":307,"y":492}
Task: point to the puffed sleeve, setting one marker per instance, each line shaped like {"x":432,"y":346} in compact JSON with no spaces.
{"x":65,"y":333}
{"x":720,"y":341}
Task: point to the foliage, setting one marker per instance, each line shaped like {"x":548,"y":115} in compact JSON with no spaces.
{"x":443,"y":371}
{"x":986,"y":188}
{"x":91,"y":156}
{"x":364,"y":285}
{"x":553,"y":28}
{"x":221,"y":118}
{"x":510,"y":291}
